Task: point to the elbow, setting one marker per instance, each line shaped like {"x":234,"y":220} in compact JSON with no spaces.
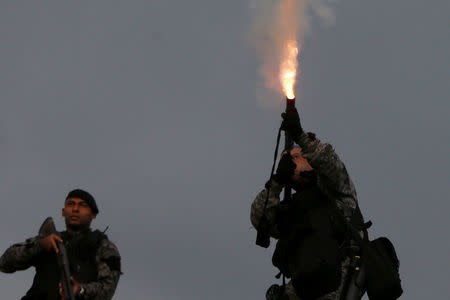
{"x":7,"y":270}
{"x":254,"y":221}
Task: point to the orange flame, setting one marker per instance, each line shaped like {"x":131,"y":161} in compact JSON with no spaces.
{"x":288,"y":68}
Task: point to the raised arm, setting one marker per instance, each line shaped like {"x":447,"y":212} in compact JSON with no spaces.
{"x":332,"y":178}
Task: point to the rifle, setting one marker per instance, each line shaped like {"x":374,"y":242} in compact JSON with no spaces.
{"x":47,"y":228}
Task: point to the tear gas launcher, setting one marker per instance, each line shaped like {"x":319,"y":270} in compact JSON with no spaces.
{"x":263,"y":236}
{"x":288,"y":143}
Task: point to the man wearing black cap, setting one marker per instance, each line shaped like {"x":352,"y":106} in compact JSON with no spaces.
{"x":94,"y":260}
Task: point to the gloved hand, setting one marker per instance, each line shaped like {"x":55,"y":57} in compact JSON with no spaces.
{"x":291,"y":123}
{"x":285,"y":169}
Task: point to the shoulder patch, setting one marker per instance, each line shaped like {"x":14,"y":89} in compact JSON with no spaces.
{"x":113,"y":263}
{"x":109,"y":254}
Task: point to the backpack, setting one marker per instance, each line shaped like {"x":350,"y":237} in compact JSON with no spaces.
{"x":382,"y":270}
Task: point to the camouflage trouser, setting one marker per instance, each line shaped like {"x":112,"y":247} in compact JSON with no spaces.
{"x":289,"y":293}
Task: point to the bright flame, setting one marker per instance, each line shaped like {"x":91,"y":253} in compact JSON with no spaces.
{"x":278,"y":30}
{"x":288,"y":68}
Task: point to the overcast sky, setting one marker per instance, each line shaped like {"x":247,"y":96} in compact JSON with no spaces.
{"x":154,"y":107}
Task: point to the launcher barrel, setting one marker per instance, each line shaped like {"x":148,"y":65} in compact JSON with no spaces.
{"x":288,"y":142}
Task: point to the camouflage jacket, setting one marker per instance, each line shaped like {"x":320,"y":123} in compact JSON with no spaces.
{"x":332,"y":179}
{"x":21,"y":256}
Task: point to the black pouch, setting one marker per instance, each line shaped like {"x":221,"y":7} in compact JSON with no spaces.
{"x":382,"y":275}
{"x":317,"y":267}
{"x":280,"y":257}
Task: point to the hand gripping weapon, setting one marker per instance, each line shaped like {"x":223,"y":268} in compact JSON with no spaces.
{"x":47,"y":228}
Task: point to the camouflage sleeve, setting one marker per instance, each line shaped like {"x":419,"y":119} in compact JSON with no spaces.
{"x":257,"y":207}
{"x":20,"y":256}
{"x":109,"y":271}
{"x":333,"y":178}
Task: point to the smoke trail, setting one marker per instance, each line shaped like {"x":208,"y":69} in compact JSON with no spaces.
{"x":276,"y":23}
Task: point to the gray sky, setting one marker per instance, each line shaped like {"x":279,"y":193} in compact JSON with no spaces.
{"x":153,"y":107}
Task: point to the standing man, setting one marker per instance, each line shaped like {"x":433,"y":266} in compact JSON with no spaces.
{"x":313,"y":247}
{"x":94,"y":260}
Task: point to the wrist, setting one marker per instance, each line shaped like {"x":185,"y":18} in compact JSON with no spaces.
{"x":275,"y":185}
{"x":38,"y":246}
{"x":275,"y":180}
{"x":302,"y":139}
{"x":297,"y":134}
{"x":34,"y":245}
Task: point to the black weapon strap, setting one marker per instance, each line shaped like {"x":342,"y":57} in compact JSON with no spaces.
{"x":275,"y":155}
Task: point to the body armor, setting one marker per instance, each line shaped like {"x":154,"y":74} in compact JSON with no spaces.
{"x":81,"y":251}
{"x":310,"y":248}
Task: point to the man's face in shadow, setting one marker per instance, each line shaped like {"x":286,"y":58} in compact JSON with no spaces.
{"x":301,"y":164}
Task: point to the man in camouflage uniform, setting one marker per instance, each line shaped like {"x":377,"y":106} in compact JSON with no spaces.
{"x":94,"y":260}
{"x":312,"y":165}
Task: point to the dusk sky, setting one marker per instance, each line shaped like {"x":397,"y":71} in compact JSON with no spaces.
{"x":158,"y":109}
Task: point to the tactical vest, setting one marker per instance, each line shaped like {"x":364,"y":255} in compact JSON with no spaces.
{"x":81,"y":251}
{"x":309,"y":248}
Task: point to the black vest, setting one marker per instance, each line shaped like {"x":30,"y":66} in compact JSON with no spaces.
{"x":81,"y":250}
{"x":309,"y":248}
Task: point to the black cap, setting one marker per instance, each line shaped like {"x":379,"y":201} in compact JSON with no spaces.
{"x":77,"y":193}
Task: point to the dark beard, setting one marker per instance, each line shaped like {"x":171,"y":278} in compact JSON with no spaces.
{"x":76,"y":227}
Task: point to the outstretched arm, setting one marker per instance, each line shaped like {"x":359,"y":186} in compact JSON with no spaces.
{"x":20,"y":256}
